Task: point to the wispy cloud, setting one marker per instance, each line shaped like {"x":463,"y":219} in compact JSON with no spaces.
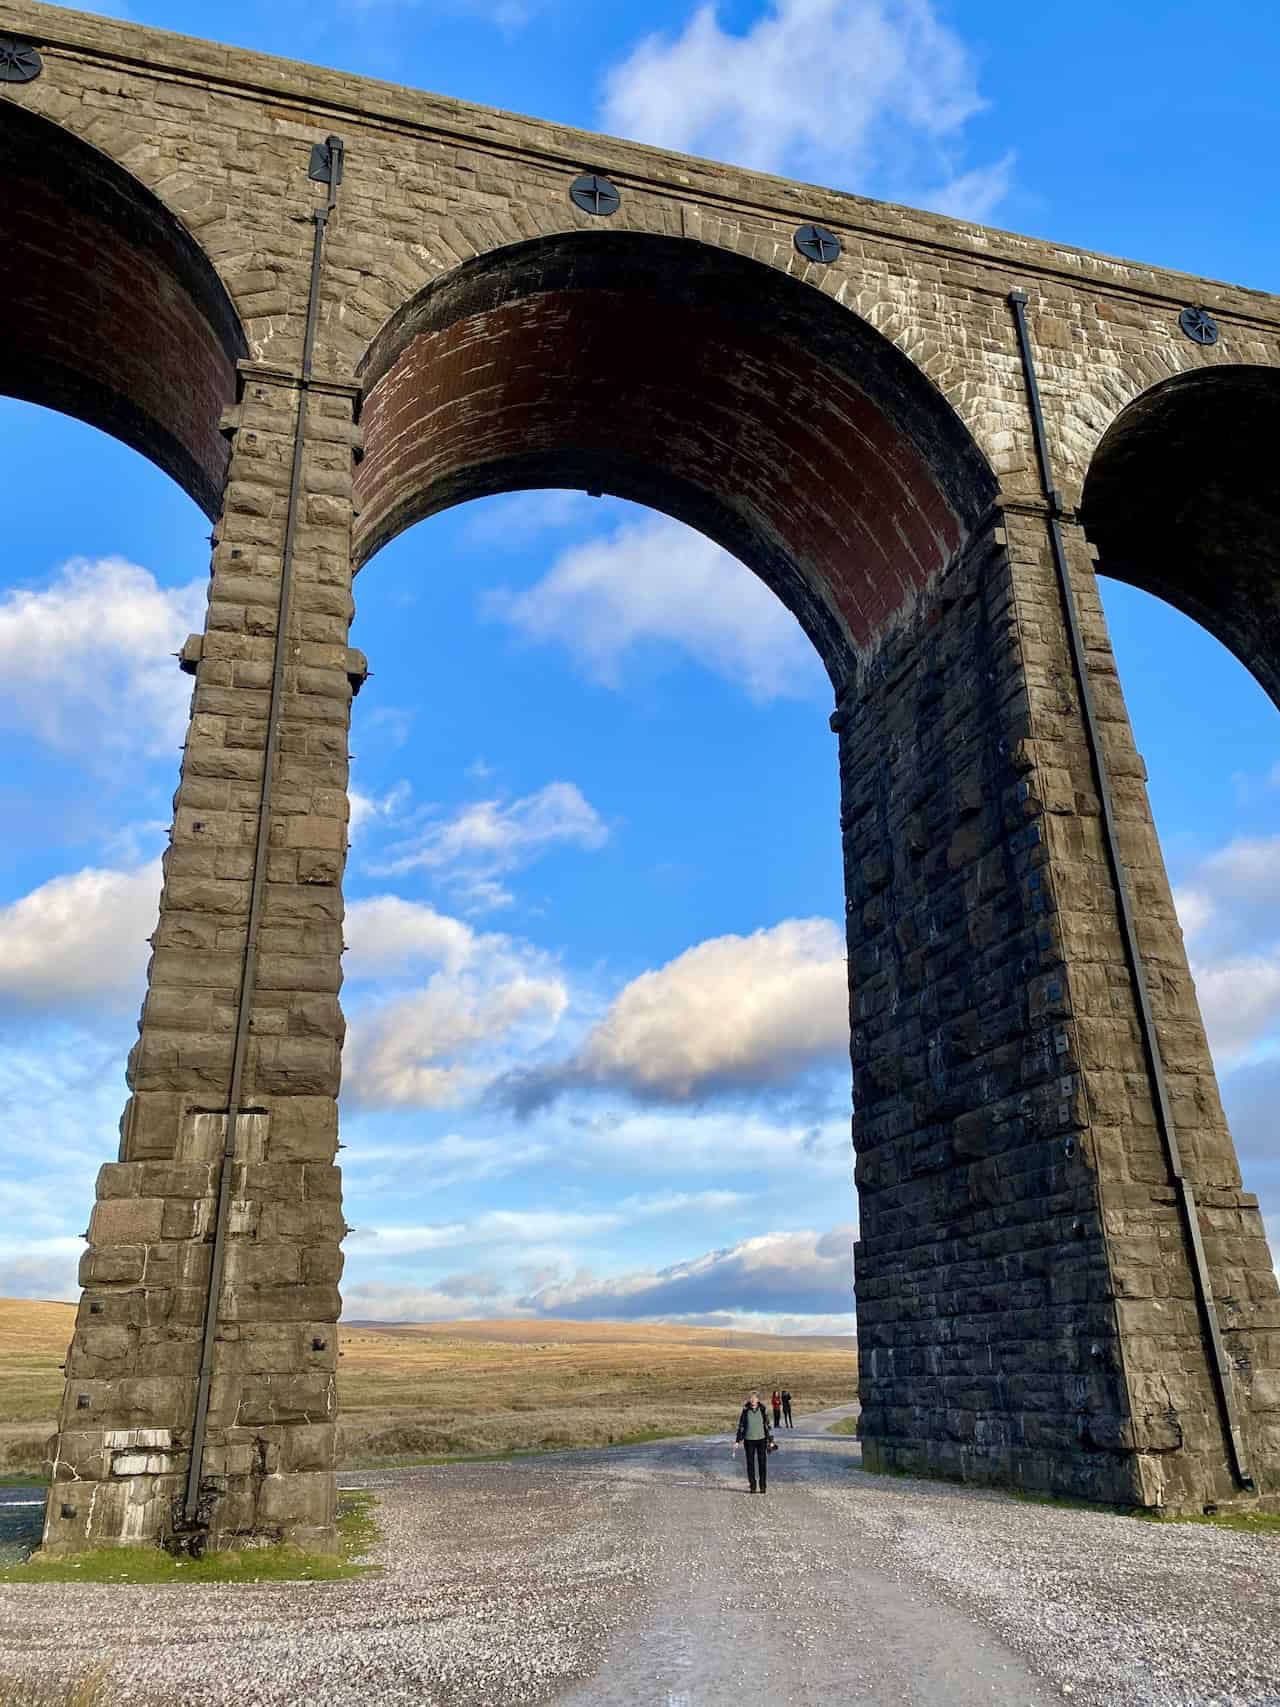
{"x":681,"y":1143}
{"x":368,"y":810}
{"x":474,"y":848}
{"x":1229,"y":907}
{"x":432,"y":1165}
{"x":653,"y":581}
{"x":868,"y":95}
{"x":500,"y":1227}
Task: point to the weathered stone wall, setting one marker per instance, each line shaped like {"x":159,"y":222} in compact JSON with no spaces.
{"x":131,"y":1373}
{"x":1025,"y":1299}
{"x":1026,"y":1308}
{"x":221,"y":136}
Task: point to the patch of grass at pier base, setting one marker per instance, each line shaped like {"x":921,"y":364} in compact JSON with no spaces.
{"x":357,"y":1533}
{"x":1247,"y":1522}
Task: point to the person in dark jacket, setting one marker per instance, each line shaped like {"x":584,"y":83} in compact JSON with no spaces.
{"x":786,"y":1408}
{"x":756,"y":1438}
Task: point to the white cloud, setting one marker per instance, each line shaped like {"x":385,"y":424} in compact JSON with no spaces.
{"x":79,"y":940}
{"x":387,"y":934}
{"x":844,"y":91}
{"x":448,"y":1040}
{"x":732,"y":1013}
{"x":1239,"y":1000}
{"x":656,"y":581}
{"x":1195,"y":909}
{"x":1229,"y":909}
{"x":489,"y":839}
{"x":490,"y":999}
{"x":801,"y":1272}
{"x":87,"y":665}
{"x":1246,"y":870}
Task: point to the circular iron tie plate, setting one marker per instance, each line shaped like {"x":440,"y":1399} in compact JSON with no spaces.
{"x":816,"y":243}
{"x":594,"y":195}
{"x":1199,"y":325}
{"x":18,"y":62}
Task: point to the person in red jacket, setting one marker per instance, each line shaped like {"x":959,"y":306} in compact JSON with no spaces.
{"x":776,"y":1402}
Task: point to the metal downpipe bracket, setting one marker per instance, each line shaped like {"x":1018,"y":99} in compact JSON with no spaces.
{"x":1220,"y":1363}
{"x":326,"y":166}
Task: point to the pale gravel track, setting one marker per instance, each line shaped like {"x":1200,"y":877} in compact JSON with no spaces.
{"x":647,"y":1576}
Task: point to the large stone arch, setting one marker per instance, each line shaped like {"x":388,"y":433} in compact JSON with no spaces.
{"x":1182,"y":500}
{"x":688,"y":378}
{"x":1031,"y":1307}
{"x":116,"y":314}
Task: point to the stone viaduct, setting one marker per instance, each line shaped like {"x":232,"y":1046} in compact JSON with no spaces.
{"x":329,"y":306}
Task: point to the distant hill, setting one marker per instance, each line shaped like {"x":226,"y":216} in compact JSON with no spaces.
{"x":554,"y":1331}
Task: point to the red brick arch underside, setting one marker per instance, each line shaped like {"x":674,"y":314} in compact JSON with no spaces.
{"x":113,"y":312}
{"x":1182,"y":499}
{"x":714,"y":388}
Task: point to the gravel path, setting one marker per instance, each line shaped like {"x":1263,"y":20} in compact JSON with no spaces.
{"x":648,"y":1577}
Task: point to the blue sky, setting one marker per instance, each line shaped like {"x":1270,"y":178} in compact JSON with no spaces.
{"x":597,"y":1057}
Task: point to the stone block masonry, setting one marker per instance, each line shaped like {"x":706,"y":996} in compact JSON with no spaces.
{"x":857,"y":430}
{"x":1026,"y":1309}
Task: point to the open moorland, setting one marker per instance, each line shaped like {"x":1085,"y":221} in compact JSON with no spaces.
{"x":426,"y":1390}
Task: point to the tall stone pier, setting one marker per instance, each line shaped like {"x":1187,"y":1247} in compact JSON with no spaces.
{"x":329,"y":307}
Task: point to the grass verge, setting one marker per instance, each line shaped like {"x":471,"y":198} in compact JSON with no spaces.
{"x":357,"y":1533}
{"x":1247,"y":1522}
{"x":847,"y":1425}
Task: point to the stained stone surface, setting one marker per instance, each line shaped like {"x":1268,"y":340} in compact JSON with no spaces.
{"x":859,"y":434}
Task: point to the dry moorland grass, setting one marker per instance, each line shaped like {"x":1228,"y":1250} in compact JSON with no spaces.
{"x":458,"y":1387}
{"x":437,"y":1389}
{"x":91,"y":1689}
{"x":33,"y":1342}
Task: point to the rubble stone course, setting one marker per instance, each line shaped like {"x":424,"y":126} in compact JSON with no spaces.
{"x":859,"y":432}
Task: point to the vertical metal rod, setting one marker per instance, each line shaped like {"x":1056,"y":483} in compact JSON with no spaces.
{"x":191,"y":1503}
{"x":1220,"y":1364}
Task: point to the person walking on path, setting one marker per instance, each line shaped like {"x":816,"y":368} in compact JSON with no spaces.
{"x":756,"y":1438}
{"x":776,"y":1402}
{"x":786,"y":1408}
